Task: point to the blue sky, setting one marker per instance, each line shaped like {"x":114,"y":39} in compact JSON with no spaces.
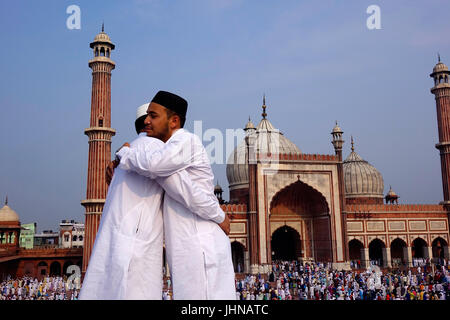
{"x":317,"y":62}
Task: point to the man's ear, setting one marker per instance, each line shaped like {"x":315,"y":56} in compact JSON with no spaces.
{"x":175,"y":122}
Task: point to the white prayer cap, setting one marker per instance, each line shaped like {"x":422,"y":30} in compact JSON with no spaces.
{"x":142,"y":111}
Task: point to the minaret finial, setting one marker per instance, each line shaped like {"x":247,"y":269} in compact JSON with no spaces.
{"x":439,"y":57}
{"x":103,"y":26}
{"x":6,"y":200}
{"x":264,"y":114}
{"x":353,"y":147}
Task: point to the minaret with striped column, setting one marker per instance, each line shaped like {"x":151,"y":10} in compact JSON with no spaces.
{"x":100,"y":134}
{"x":441,"y":91}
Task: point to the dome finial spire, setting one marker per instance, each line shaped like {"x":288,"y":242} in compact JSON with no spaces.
{"x":103,"y":26}
{"x":439,"y":57}
{"x":264,"y":114}
{"x":6,"y":200}
{"x":353,"y":145}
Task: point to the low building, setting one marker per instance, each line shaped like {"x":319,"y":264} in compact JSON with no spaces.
{"x":27,"y":233}
{"x":47,"y":238}
{"x":71,"y":234}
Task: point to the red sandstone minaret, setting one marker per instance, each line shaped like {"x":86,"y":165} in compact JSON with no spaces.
{"x":338,"y":142}
{"x":100,"y":134}
{"x":441,"y":91}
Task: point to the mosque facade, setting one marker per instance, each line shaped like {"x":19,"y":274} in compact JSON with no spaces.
{"x":287,"y":205}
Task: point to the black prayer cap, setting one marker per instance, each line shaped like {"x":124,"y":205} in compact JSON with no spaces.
{"x":171,"y":101}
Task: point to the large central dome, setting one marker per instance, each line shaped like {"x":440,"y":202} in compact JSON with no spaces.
{"x":267,"y":140}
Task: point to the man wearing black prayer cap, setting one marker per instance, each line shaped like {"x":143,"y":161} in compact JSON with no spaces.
{"x":197,"y":247}
{"x":127,"y":257}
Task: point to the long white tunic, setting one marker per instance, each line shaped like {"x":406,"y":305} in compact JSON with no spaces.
{"x":198,"y":251}
{"x":126,"y":261}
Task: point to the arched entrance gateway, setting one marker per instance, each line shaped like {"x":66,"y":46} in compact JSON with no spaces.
{"x":398,"y":256}
{"x":237,"y":251}
{"x":438,"y":249}
{"x":286,"y":244}
{"x":55,"y":269}
{"x":419,"y":247}
{"x":300,"y":224}
{"x":376,"y":252}
{"x":355,"y":250}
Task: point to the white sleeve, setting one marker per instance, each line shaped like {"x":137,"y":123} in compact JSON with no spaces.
{"x":182,"y":189}
{"x":177,"y":154}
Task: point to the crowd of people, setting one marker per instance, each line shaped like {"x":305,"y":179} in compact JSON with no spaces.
{"x":287,"y":280}
{"x":48,"y":288}
{"x":316,"y":281}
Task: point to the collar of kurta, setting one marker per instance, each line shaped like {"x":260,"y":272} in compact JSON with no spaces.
{"x":177,"y":131}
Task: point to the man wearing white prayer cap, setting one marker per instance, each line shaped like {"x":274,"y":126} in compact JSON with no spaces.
{"x":126,"y":261}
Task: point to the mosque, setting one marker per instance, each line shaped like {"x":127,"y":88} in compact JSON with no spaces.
{"x":287,"y":205}
{"x":284,"y":204}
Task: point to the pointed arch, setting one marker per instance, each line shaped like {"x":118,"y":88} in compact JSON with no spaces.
{"x":419,"y":247}
{"x":237,"y":254}
{"x":299,"y":195}
{"x":376,"y":247}
{"x":286,"y":244}
{"x":438,"y":247}
{"x":355,"y":247}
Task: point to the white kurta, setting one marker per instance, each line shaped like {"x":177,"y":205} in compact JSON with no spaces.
{"x":126,"y":260}
{"x":198,"y":251}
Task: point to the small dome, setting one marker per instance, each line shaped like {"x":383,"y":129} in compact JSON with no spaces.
{"x":100,"y":38}
{"x":391,"y":193}
{"x":7,"y":214}
{"x":361,"y":179}
{"x":439,"y":67}
{"x":267,"y":140}
{"x":337,"y":129}
{"x":218,"y":188}
{"x":249,"y":125}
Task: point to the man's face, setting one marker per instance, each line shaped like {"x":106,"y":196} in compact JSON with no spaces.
{"x":157,"y":123}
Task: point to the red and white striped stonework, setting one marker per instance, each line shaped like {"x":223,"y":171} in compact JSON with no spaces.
{"x":100,"y":134}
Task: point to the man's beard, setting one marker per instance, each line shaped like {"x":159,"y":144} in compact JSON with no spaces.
{"x":161,"y":135}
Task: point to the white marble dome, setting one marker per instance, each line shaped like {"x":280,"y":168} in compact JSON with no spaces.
{"x":267,"y":139}
{"x":361,"y":179}
{"x":7,"y":214}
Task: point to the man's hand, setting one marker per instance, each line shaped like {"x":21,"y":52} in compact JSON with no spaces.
{"x":112,"y":165}
{"x":225,"y":225}
{"x":110,"y":171}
